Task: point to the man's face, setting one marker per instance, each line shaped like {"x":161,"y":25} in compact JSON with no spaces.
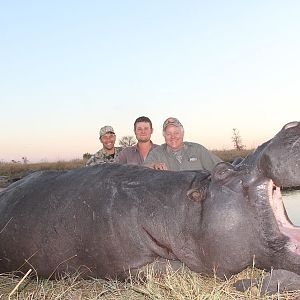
{"x":143,"y":131}
{"x":174,"y":137}
{"x":108,"y":140}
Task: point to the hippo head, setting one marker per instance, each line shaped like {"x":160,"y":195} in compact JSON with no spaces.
{"x":248,"y":200}
{"x":279,"y":158}
{"x":249,"y":223}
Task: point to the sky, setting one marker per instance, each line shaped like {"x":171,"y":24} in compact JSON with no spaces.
{"x":68,"y":68}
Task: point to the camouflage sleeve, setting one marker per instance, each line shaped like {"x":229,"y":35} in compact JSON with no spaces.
{"x":96,"y":159}
{"x":91,"y":161}
{"x":121,"y":157}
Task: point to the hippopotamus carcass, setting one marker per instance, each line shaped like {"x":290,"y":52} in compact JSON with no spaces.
{"x":113,"y":219}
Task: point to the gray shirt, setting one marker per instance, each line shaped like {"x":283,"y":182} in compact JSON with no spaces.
{"x":131,"y":155}
{"x":192,"y":156}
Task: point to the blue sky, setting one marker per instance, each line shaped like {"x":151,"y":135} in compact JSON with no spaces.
{"x":68,"y":68}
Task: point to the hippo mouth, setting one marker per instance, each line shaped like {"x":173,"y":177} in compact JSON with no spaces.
{"x":284,"y":224}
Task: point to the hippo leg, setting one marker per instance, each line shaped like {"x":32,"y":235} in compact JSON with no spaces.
{"x":278,"y":281}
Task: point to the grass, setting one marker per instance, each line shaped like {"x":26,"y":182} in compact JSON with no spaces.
{"x":181,"y":284}
{"x":230,"y":155}
{"x":9,"y":169}
{"x":10,"y":172}
{"x":18,"y":170}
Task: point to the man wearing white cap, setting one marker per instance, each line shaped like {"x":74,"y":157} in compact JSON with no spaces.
{"x":177,"y":155}
{"x":109,"y":152}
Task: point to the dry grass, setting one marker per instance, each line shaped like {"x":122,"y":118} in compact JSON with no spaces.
{"x":10,"y":172}
{"x":182,"y":284}
{"x":230,"y":155}
{"x":15,"y":170}
{"x":8,"y":169}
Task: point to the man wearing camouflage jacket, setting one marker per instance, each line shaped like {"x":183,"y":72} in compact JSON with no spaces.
{"x":109,"y":152}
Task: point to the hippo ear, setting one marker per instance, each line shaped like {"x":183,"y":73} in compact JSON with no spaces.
{"x":196,"y":194}
{"x":222,"y":170}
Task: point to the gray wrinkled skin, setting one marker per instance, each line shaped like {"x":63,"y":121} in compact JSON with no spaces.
{"x":112,"y":218}
{"x":277,"y":281}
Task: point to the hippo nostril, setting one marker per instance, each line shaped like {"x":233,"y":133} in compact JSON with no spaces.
{"x":291,"y":246}
{"x":291,"y":124}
